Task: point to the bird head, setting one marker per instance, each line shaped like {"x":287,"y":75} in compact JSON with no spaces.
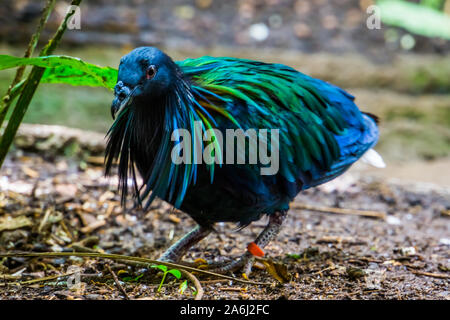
{"x":145,"y":74}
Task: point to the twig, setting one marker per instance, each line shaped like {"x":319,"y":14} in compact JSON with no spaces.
{"x":29,"y":88}
{"x":91,"y":227}
{"x":119,"y":257}
{"x":347,"y":240}
{"x":116,"y":280}
{"x":38,"y":279}
{"x":197,"y":284}
{"x":213,"y":281}
{"x":47,"y":278}
{"x":44,"y":220}
{"x":66,"y":230}
{"x":363,"y":260}
{"x":77,"y":247}
{"x":323,"y":270}
{"x":430,"y":274}
{"x":364,"y":213}
{"x":8,"y":98}
{"x":233,"y":289}
{"x":7,"y":277}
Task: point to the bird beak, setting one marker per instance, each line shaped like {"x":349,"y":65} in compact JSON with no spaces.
{"x":121,"y":98}
{"x":116,"y":106}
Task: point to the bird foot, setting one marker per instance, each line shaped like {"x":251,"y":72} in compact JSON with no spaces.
{"x":244,"y":263}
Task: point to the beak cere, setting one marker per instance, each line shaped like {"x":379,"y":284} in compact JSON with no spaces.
{"x":122,"y":94}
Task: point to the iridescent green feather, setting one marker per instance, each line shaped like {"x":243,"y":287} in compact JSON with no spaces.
{"x":272,"y":96}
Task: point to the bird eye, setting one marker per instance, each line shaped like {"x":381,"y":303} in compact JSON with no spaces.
{"x":151,"y":72}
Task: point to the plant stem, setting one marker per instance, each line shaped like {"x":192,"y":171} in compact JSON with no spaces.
{"x":29,"y":89}
{"x":7,"y":98}
{"x":162,"y":281}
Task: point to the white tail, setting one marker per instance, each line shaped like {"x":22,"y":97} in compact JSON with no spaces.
{"x":373,"y":158}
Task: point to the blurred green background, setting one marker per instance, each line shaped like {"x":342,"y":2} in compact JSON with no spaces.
{"x":400,"y":72}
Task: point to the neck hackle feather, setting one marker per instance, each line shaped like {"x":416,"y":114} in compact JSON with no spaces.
{"x":135,"y":135}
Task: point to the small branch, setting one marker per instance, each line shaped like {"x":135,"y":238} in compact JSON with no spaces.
{"x":430,"y":274}
{"x":44,"y":220}
{"x":8,"y":277}
{"x":47,"y":278}
{"x":233,"y":289}
{"x":213,"y":281}
{"x":143,"y":261}
{"x":346,"y":240}
{"x":39,"y":279}
{"x":93,"y":226}
{"x":323,"y":270}
{"x":364,"y":213}
{"x":197,"y":284}
{"x":79,"y":248}
{"x":116,"y":280}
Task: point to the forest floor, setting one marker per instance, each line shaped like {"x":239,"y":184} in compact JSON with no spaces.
{"x":53,"y":203}
{"x":53,"y":196}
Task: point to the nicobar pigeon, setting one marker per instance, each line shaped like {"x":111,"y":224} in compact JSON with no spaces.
{"x":321,"y":134}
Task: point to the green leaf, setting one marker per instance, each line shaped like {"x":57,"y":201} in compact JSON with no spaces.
{"x":294,"y":256}
{"x":66,"y":69}
{"x":183,"y":287}
{"x":131,"y":279}
{"x":161,"y":267}
{"x":415,"y":18}
{"x":176,"y":273}
{"x":138,"y":277}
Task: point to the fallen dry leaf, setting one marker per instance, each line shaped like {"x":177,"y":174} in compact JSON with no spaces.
{"x":30,"y":172}
{"x":277,"y":270}
{"x":12,"y":223}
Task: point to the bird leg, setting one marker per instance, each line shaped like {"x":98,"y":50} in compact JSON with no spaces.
{"x":269,"y":233}
{"x":179,"y":248}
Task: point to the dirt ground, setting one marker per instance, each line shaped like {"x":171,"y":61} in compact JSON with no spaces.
{"x":54,"y":204}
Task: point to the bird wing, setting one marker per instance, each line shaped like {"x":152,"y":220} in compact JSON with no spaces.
{"x":322,"y":131}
